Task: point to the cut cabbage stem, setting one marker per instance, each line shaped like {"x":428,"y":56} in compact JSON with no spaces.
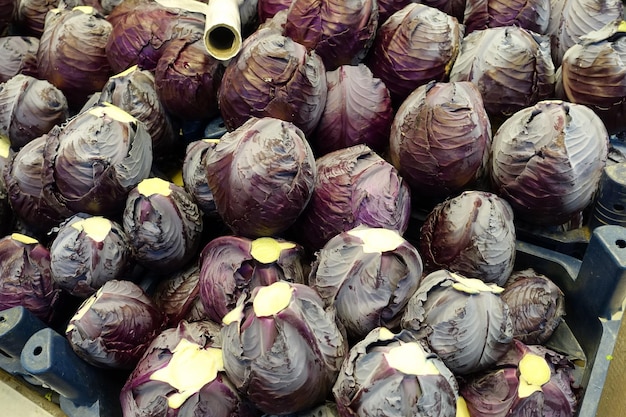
{"x":410,"y":358}
{"x":96,"y":227}
{"x":461,"y":408}
{"x":272,"y":299}
{"x":377,"y":239}
{"x":267,"y":250}
{"x":534,"y":373}
{"x":127,"y":71}
{"x":5,"y":146}
{"x":152,"y":186}
{"x":112,"y":111}
{"x":27,"y":240}
{"x":473,"y":285}
{"x":190,"y":368}
{"x":85,"y":9}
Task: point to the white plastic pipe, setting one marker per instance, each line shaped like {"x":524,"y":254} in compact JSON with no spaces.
{"x":222,"y":30}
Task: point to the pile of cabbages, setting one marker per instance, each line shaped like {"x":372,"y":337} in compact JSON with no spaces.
{"x":279,"y":267}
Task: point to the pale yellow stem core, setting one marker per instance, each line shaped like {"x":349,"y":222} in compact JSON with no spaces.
{"x":97,"y":227}
{"x":27,"y":240}
{"x":267,"y":250}
{"x":177,"y":178}
{"x":127,"y":71}
{"x":272,"y":299}
{"x":190,"y":368}
{"x":461,"y":408}
{"x":534,"y":373}
{"x":377,"y":240}
{"x":474,"y":285}
{"x":385,"y":334}
{"x":112,"y":111}
{"x":410,"y":359}
{"x":85,"y":9}
{"x":236,"y":314}
{"x":5,"y":146}
{"x":83,"y":309}
{"x":211,"y":140}
{"x":622,"y":26}
{"x":154,"y":185}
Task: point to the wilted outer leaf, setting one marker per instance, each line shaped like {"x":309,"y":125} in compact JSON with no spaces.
{"x":354,"y":186}
{"x":113,"y":327}
{"x":593,"y":73}
{"x":273,"y":76}
{"x":358,"y":111}
{"x":368,"y":285}
{"x":511,"y":66}
{"x":262,"y":176}
{"x":533,"y":15}
{"x":29,"y":108}
{"x":284,"y":362}
{"x":571,"y":19}
{"x":368,"y":384}
{"x":472,"y":234}
{"x":415,"y":45}
{"x":548,"y":159}
{"x":536,"y":303}
{"x":440,"y":138}
{"x":18,"y":55}
{"x":469,"y":331}
{"x":25,"y":277}
{"x":339,"y":31}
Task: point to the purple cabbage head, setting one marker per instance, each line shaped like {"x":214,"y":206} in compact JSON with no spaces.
{"x":473,"y":234}
{"x":181,"y":374}
{"x":262,"y":176}
{"x":464,"y":320}
{"x":25,"y":277}
{"x":232,"y":266}
{"x":547,"y":161}
{"x":440,"y":139}
{"x":354,"y":186}
{"x":368,"y":275}
{"x":511,"y":66}
{"x":394,"y":375}
{"x":415,"y":45}
{"x":358,"y":111}
{"x":533,"y":15}
{"x":113,"y":327}
{"x":273,"y":76}
{"x":282,"y":349}
{"x":339,"y":31}
{"x":529,"y":379}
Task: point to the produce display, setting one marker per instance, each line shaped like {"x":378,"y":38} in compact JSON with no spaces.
{"x":346,"y":246}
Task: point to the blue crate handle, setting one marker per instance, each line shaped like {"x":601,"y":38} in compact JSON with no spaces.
{"x":17,"y":325}
{"x":85,"y":391}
